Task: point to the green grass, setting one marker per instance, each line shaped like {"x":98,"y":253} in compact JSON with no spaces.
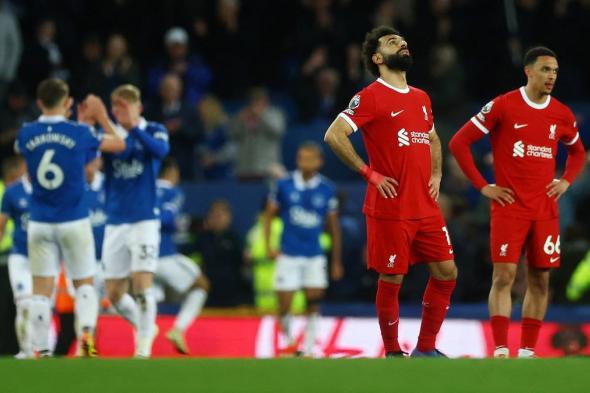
{"x":294,"y":375}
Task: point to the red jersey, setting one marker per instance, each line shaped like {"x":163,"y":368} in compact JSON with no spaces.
{"x":395,"y":125}
{"x":524,"y":139}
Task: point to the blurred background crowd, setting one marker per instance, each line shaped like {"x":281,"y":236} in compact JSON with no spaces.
{"x":239,"y":84}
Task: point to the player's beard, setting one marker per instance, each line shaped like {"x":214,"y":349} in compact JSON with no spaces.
{"x":397,"y":62}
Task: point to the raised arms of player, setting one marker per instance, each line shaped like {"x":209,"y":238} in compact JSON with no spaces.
{"x":333,"y":224}
{"x":337,"y":137}
{"x":436,"y":159}
{"x":576,"y":157}
{"x":460,"y":146}
{"x":156,"y":144}
{"x":92,"y":110}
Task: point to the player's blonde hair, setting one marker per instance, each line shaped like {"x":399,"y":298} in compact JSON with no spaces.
{"x":127,"y":92}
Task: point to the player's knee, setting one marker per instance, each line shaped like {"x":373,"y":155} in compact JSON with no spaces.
{"x":202,"y":283}
{"x":538,"y":285}
{"x":503,"y":278}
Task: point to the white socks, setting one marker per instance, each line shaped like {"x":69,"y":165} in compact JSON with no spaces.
{"x":191,"y":307}
{"x":310,"y":333}
{"x":40,"y":319}
{"x":22,"y":325}
{"x":146,"y":321}
{"x":285,"y":323}
{"x":128,"y":309}
{"x":86,"y":309}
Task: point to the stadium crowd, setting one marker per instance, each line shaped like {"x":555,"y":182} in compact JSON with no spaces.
{"x":233,"y":80}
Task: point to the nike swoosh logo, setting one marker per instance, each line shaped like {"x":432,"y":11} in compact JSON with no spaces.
{"x":394,"y":114}
{"x":517,"y":126}
{"x":551,"y":260}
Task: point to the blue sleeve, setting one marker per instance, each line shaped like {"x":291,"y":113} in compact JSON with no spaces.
{"x":171,"y":205}
{"x":6,"y":205}
{"x":92,"y":137}
{"x":154,"y":140}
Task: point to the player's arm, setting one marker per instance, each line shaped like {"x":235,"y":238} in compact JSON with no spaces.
{"x":91,"y":111}
{"x":436,"y":159}
{"x":3,"y":222}
{"x":576,"y":157}
{"x":460,"y":147}
{"x":333,"y":224}
{"x":271,"y":210}
{"x":337,"y":137}
{"x":156,"y":144}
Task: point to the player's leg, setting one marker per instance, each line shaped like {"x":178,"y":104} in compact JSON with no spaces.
{"x":117,"y":268}
{"x":433,"y":245}
{"x":22,"y":289}
{"x":144,"y":245}
{"x":543,"y":254}
{"x":507,"y":237}
{"x":44,"y":262}
{"x":388,"y":246}
{"x":288,"y":278}
{"x":315,"y":282}
{"x":77,"y":246}
{"x":185,"y":277}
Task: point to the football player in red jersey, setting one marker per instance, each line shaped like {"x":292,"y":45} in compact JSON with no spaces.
{"x":524,"y":127}
{"x":404,"y":222}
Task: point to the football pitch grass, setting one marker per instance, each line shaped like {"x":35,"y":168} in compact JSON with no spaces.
{"x":294,"y":375}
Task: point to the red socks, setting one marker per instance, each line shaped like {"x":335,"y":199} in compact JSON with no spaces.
{"x":500,"y":330}
{"x":388,"y":313}
{"x":436,"y":301}
{"x":529,"y":333}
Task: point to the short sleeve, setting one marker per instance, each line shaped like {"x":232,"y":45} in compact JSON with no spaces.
{"x":332,"y":201}
{"x":159,"y":132}
{"x":6,"y":206}
{"x":428,"y":115}
{"x":489,"y":116}
{"x":361,"y":110}
{"x":570,"y":135}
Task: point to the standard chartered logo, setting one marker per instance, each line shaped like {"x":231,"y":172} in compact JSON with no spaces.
{"x":403,"y":138}
{"x":304,"y":218}
{"x":127,"y":170}
{"x":518,"y":150}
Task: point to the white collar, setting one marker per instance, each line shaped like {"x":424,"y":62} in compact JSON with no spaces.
{"x":96,"y":184}
{"x":531,"y":103}
{"x":51,"y":118}
{"x":301,"y":184}
{"x":403,"y":91}
{"x":27,"y":184}
{"x":164,"y":183}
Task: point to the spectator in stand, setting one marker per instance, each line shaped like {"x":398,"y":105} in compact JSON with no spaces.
{"x":195,"y":74}
{"x":17,"y":110}
{"x":257,"y":131}
{"x":215,"y":150}
{"x":11,"y":47}
{"x":87,"y":75}
{"x":220,"y":250}
{"x":179,"y":118}
{"x":43,"y":57}
{"x":118,"y":67}
{"x":320,"y":98}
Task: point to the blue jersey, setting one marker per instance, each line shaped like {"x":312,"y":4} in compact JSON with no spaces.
{"x":15,"y":204}
{"x":131,"y":175}
{"x":303,"y":208}
{"x":95,"y":200}
{"x":171,"y":201}
{"x":56,"y":150}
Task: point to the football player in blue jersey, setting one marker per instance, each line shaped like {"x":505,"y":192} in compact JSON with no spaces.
{"x":174,"y":269}
{"x":132,"y":234}
{"x":55,"y":151}
{"x":15,"y":206}
{"x":306,"y":202}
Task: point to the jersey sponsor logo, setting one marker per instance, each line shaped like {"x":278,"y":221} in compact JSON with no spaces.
{"x":518,"y":150}
{"x":394,"y":114}
{"x":304,"y":218}
{"x":519,"y":126}
{"x":552,"y":130}
{"x":391,"y":260}
{"x":504,"y":249}
{"x":125,"y":170}
{"x":404,"y":137}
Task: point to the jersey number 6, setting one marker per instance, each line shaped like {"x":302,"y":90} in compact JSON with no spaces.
{"x":47,"y":167}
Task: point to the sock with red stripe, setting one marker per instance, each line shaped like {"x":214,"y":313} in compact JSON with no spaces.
{"x":388,"y":312}
{"x":436,"y":301}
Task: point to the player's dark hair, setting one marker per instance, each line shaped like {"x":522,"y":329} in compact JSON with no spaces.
{"x":168,"y":163}
{"x":532,"y":54}
{"x":52,"y":91}
{"x":371,"y":45}
{"x":311,"y":145}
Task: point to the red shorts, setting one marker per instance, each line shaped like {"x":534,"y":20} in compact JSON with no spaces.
{"x":539,"y":238}
{"x":394,"y":245}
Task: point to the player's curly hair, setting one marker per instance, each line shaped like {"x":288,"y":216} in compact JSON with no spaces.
{"x":371,"y":45}
{"x":531,"y":55}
